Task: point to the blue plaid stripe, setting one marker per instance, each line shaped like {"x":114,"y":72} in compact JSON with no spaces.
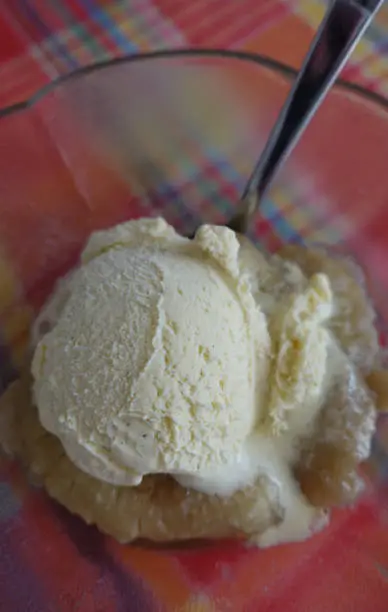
{"x":109,"y":26}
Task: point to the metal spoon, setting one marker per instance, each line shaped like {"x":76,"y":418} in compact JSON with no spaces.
{"x":342,"y":27}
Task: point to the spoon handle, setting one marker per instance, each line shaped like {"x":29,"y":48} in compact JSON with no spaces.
{"x":343,"y":25}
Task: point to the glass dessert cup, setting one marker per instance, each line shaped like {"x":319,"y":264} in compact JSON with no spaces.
{"x":177,"y":136}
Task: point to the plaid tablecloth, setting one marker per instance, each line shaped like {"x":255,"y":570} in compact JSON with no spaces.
{"x":50,"y":561}
{"x":40,"y":40}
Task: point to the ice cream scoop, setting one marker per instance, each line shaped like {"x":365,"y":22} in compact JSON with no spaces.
{"x":155,"y":359}
{"x":170,"y":355}
{"x":206,"y":360}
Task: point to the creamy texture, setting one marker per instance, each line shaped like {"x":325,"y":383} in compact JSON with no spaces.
{"x":156,"y":350}
{"x":199,"y":358}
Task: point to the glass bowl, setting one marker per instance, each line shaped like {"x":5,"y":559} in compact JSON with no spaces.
{"x":177,"y":134}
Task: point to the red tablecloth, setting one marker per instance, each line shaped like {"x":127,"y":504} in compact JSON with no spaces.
{"x":51,"y":562}
{"x":40,"y":40}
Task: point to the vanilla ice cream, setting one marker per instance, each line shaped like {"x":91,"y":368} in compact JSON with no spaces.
{"x":202,"y":359}
{"x":157,"y":356}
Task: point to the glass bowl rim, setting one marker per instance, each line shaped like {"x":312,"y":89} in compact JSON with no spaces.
{"x":286,"y":71}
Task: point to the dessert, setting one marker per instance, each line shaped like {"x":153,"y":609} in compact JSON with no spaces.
{"x":199,"y":388}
